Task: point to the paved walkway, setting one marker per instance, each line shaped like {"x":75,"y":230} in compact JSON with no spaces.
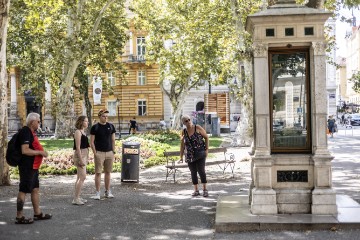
{"x":155,"y":209}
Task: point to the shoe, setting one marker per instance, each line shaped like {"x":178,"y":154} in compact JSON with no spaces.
{"x":108,"y":194}
{"x":195,"y":193}
{"x":205,"y":193}
{"x":77,"y":202}
{"x":97,"y":196}
{"x":83,"y":200}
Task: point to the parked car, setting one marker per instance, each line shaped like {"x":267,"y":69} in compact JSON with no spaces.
{"x":277,"y":129}
{"x":355,"y":120}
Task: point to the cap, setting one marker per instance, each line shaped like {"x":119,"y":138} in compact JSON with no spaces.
{"x":102,"y":111}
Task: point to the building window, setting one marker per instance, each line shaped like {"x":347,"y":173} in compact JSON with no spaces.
{"x":111,"y":106}
{"x":111,"y":79}
{"x":141,"y":107}
{"x":309,"y":31}
{"x":289,"y":31}
{"x":289,"y":101}
{"x":270,"y":32}
{"x":140,"y":46}
{"x":141,"y":77}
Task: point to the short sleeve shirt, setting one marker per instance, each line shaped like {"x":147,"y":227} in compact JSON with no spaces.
{"x":38,"y":158}
{"x":103,"y":136}
{"x":26,"y":137}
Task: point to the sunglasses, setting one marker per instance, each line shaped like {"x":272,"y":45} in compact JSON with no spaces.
{"x":187,"y":120}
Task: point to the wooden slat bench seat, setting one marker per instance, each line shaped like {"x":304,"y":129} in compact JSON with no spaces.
{"x":226,"y":161}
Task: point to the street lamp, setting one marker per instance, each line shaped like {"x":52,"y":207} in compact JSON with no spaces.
{"x":118,"y":114}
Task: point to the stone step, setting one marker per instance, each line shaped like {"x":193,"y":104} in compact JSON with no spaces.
{"x":233,"y":215}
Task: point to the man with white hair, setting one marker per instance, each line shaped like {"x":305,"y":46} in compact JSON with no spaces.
{"x":31,"y":159}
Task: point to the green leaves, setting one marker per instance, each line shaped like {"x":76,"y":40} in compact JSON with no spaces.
{"x":46,"y":36}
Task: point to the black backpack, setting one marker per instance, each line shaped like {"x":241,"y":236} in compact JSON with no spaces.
{"x":13,"y":151}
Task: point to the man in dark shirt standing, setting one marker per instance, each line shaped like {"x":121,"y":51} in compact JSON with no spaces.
{"x":102,"y":142}
{"x":31,"y":159}
{"x":133,"y":126}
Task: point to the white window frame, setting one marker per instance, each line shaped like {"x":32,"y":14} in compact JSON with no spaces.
{"x":141,"y":76}
{"x":111,"y":78}
{"x":140,"y":46}
{"x":141,"y":103}
{"x":111,"y":107}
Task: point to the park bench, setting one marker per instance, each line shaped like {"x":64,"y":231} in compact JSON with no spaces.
{"x":172,"y":161}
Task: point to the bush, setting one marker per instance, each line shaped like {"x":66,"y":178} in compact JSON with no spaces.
{"x":152,"y":147}
{"x":161,"y":135}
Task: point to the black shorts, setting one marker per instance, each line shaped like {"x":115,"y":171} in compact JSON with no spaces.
{"x":29,"y":179}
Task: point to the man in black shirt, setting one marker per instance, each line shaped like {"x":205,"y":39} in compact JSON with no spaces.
{"x":102,"y":142}
{"x":133,"y":126}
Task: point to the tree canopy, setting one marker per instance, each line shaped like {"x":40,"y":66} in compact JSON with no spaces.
{"x":49,"y":39}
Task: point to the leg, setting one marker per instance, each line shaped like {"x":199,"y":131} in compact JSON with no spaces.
{"x":97,"y":181}
{"x":25,"y":186}
{"x":20,"y":204}
{"x":107,"y":180}
{"x":200,"y":166}
{"x":81,"y":176}
{"x":99,"y":159}
{"x":35,"y":199}
{"x":108,"y":165}
{"x":194,"y":177}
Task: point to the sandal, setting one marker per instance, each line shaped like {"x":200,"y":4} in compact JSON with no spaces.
{"x":195,"y":193}
{"x":42,"y":216}
{"x":205,"y":193}
{"x":23,"y":220}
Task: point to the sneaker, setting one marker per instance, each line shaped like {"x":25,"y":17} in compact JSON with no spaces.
{"x":195,"y":193}
{"x":77,"y":202}
{"x":97,"y":196}
{"x":108,"y":194}
{"x":205,"y":193}
{"x":83,"y":200}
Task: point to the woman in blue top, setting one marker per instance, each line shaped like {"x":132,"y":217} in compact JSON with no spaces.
{"x":192,"y":140}
{"x":81,"y":155}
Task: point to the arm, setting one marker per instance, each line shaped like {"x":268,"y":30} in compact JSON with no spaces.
{"x":205,"y":136}
{"x":77,"y":146}
{"x":113,"y":142}
{"x":182,"y":146}
{"x":26,"y":150}
{"x":92,"y":143}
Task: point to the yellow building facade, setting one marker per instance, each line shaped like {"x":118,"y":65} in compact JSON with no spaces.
{"x":136,"y":94}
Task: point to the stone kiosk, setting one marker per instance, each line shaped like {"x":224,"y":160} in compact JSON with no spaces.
{"x":291,"y":162}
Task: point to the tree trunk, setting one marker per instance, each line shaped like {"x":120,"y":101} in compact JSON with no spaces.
{"x":4,"y":20}
{"x":65,"y":116}
{"x":177,"y":105}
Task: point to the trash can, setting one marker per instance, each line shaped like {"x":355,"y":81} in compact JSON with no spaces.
{"x":215,"y":126}
{"x":130,"y":162}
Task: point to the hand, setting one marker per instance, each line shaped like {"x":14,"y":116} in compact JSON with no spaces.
{"x":81,"y":164}
{"x":180,"y":161}
{"x":44,"y":154}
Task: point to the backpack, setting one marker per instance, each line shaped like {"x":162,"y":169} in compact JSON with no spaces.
{"x":96,"y":126}
{"x":13,"y":151}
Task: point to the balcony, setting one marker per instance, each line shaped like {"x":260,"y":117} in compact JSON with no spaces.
{"x":136,"y":58}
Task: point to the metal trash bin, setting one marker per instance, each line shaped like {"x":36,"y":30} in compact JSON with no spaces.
{"x":130,"y":162}
{"x":215,"y":126}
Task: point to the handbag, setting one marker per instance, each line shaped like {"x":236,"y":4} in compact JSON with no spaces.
{"x":199,"y":153}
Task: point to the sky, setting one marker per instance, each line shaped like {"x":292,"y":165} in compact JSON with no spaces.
{"x":341,"y":29}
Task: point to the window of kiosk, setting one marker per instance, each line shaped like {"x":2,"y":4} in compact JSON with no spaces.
{"x":289,"y":101}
